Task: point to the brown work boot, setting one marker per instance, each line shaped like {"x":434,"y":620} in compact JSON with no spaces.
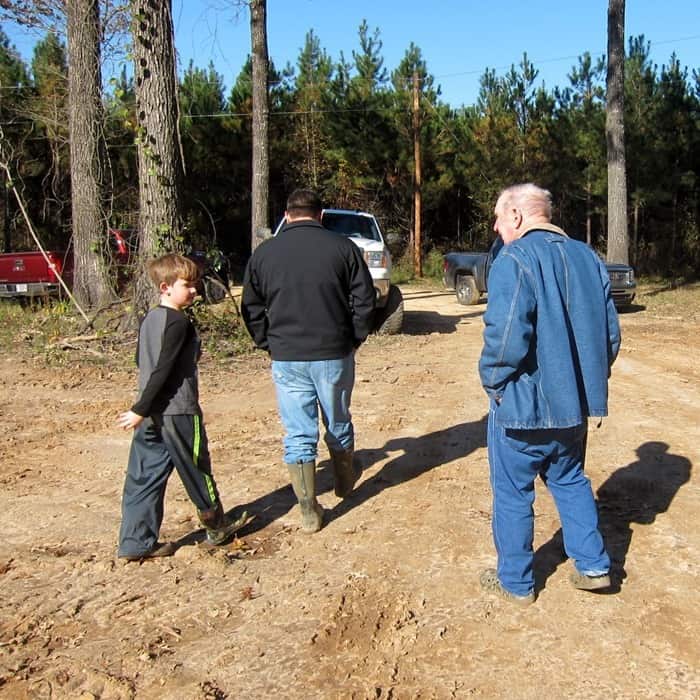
{"x":491,"y":584}
{"x":160,"y":549}
{"x":589,"y":583}
{"x":345,"y":471}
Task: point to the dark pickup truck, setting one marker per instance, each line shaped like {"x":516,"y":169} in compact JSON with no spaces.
{"x":467,"y":274}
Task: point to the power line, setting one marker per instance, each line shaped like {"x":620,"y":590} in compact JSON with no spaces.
{"x":458,"y":74}
{"x":536,"y":62}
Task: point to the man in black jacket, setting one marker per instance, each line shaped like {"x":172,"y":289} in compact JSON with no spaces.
{"x":308,"y":299}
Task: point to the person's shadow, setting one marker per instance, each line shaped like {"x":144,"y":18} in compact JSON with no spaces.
{"x":418,"y":455}
{"x":636,"y":493}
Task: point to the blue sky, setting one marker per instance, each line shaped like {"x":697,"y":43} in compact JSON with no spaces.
{"x":458,"y":38}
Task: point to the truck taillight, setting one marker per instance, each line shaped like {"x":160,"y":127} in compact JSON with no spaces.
{"x":55,"y":266}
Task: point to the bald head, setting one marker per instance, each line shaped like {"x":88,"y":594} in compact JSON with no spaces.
{"x":520,"y":208}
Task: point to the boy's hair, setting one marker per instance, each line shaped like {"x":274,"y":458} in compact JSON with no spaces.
{"x":171,"y":267}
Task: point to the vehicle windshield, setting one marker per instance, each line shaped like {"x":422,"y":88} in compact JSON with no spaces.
{"x":351,"y":225}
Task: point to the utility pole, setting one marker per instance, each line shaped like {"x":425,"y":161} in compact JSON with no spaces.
{"x":417,"y":244}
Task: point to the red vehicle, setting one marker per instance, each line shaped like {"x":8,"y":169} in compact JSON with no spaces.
{"x":31,"y":275}
{"x":213,"y":283}
{"x":28,"y":275}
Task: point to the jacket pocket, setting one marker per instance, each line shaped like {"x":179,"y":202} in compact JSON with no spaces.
{"x":522,"y":405}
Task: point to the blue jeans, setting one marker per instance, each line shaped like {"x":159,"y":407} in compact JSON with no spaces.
{"x":304,"y":386}
{"x":516,"y":457}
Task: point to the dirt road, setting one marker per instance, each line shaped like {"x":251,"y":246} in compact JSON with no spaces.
{"x":384,"y":602}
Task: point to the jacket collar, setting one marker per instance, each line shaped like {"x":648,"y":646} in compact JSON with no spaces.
{"x":302,"y":222}
{"x":545,"y":227}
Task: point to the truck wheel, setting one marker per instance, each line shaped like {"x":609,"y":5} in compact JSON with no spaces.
{"x":214,"y":290}
{"x":466,"y":290}
{"x":388,"y":321}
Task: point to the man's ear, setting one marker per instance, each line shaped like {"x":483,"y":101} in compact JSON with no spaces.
{"x":163,"y":287}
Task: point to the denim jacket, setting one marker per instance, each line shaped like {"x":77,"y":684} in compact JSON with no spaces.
{"x":551,"y":332}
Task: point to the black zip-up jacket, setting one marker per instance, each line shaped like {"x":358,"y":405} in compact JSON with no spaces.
{"x":307,"y":294}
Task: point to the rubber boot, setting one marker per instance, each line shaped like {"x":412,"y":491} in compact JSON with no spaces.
{"x":303,"y":478}
{"x":345,"y":471}
{"x":219,"y":529}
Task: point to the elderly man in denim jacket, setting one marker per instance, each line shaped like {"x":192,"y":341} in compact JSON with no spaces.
{"x":551,"y":335}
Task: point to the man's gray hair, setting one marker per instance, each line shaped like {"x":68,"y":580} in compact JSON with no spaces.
{"x":532,"y":200}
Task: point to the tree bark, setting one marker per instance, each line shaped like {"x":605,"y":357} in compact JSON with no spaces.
{"x":588,"y":212}
{"x":618,"y":243}
{"x":7,"y":237}
{"x":261,"y":115}
{"x":90,"y":278}
{"x":635,"y":233}
{"x":160,"y":162}
{"x":417,"y":182}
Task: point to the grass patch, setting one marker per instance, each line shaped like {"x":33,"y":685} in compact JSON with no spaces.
{"x":55,"y":334}
{"x":402,"y":271}
{"x":38,"y":328}
{"x":222,"y":330}
{"x":668,"y":297}
{"x":12,"y":317}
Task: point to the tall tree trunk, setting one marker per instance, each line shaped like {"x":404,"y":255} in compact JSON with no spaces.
{"x":588,"y":211}
{"x":314,"y":150}
{"x":618,"y":244}
{"x":90,"y":278}
{"x":261,"y":116}
{"x":6,"y":231}
{"x":671,"y":264}
{"x":635,"y":232}
{"x":417,"y":182}
{"x":161,"y":166}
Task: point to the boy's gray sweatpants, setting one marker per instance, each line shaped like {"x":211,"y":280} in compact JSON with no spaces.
{"x":159,"y":445}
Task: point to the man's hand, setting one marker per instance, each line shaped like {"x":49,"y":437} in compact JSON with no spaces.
{"x":129,"y":420}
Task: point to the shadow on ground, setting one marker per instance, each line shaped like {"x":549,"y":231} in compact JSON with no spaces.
{"x":636,"y":493}
{"x":426,"y":322}
{"x":419,"y":455}
{"x":630,"y":309}
{"x":670,"y":286}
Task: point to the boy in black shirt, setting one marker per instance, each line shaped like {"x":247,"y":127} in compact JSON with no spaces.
{"x":167,"y":421}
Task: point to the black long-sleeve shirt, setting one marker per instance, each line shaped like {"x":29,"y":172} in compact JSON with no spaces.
{"x":167,"y":353}
{"x":307,"y":294}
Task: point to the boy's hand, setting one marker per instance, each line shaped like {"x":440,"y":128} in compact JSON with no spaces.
{"x":129,"y":420}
